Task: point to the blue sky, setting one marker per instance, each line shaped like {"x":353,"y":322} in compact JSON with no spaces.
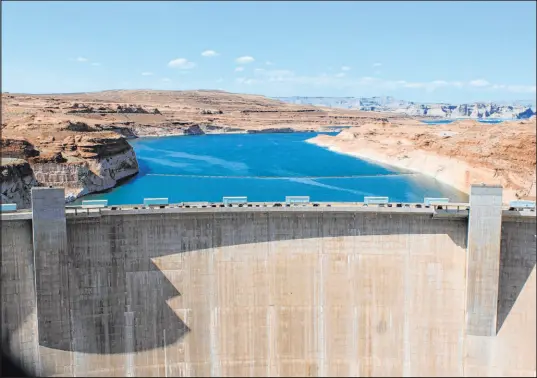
{"x":421,"y":51}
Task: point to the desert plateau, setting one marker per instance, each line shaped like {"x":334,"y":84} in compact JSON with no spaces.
{"x":80,"y":141}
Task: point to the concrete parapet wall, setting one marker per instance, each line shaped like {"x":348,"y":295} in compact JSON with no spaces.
{"x":274,"y":291}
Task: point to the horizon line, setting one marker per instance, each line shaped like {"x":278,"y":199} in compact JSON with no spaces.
{"x":528,"y":101}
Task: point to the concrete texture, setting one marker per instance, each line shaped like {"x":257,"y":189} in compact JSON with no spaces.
{"x":19,"y":302}
{"x":51,"y":266}
{"x":483,"y":261}
{"x":286,"y":291}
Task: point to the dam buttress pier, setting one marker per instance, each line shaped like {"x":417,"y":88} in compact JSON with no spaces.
{"x":261,"y":290}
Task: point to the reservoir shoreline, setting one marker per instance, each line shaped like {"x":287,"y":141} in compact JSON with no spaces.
{"x":450,"y":171}
{"x":263,"y":168}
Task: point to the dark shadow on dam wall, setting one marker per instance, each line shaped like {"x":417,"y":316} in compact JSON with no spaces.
{"x":117,"y":296}
{"x":517,"y":260}
{"x":18,"y":293}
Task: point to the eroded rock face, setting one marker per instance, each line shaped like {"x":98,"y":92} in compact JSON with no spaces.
{"x":133,"y":109}
{"x":81,"y":162}
{"x":84,"y":164}
{"x":77,"y":108}
{"x":86,"y":176}
{"x":16,"y":181}
{"x":17,"y":148}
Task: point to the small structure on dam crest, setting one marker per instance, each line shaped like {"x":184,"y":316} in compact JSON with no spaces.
{"x":260,"y":290}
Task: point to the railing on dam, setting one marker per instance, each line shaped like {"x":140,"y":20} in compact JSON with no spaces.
{"x":439,"y":206}
{"x":115,"y":290}
{"x":431,"y":207}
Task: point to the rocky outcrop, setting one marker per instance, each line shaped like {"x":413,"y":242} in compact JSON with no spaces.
{"x":272,"y":130}
{"x":80,"y":162}
{"x":459,"y":154}
{"x":210,"y":111}
{"x":16,"y":181}
{"x":187,"y":128}
{"x":79,"y":126}
{"x":526,"y":114}
{"x":80,"y":177}
{"x":135,"y":130}
{"x":17,"y":148}
{"x":133,"y":109}
{"x":77,"y":108}
{"x":84,"y":164}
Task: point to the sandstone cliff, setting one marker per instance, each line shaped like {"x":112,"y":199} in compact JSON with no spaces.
{"x":78,"y":141}
{"x":92,"y":163}
{"x":459,"y":154}
{"x":81,"y":163}
{"x":161,"y":113}
{"x":16,"y":181}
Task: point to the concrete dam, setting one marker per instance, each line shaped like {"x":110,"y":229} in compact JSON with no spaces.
{"x":258,"y":290}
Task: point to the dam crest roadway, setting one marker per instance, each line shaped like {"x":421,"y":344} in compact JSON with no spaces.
{"x":265,"y":289}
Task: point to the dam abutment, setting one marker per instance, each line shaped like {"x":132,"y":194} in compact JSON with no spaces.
{"x":310,"y":291}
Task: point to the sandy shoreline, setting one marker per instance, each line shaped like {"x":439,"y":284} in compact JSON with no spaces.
{"x":450,"y":171}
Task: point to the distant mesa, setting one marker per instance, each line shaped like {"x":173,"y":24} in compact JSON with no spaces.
{"x":476,"y":110}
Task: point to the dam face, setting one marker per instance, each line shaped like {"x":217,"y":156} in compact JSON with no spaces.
{"x":264,"y":291}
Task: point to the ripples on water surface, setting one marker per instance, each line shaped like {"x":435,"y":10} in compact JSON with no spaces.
{"x":263,"y":167}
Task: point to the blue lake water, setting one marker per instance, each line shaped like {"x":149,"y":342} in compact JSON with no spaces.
{"x":438,"y":121}
{"x":263,"y":167}
{"x":492,"y":121}
{"x":448,"y":121}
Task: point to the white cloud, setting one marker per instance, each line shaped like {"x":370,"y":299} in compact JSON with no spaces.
{"x":335,"y":81}
{"x":147,"y":74}
{"x":274,"y":75}
{"x":515,"y":88}
{"x":165,"y":79}
{"x":243,"y":80}
{"x":269,"y":63}
{"x":479,"y":83}
{"x":209,"y":53}
{"x":414,"y":85}
{"x":239,"y":69}
{"x":81,"y":59}
{"x":377,"y":64}
{"x":245,"y":60}
{"x":429,"y":86}
{"x":181,"y":63}
{"x":521,"y":88}
{"x":345,"y":68}
{"x":279,"y":77}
